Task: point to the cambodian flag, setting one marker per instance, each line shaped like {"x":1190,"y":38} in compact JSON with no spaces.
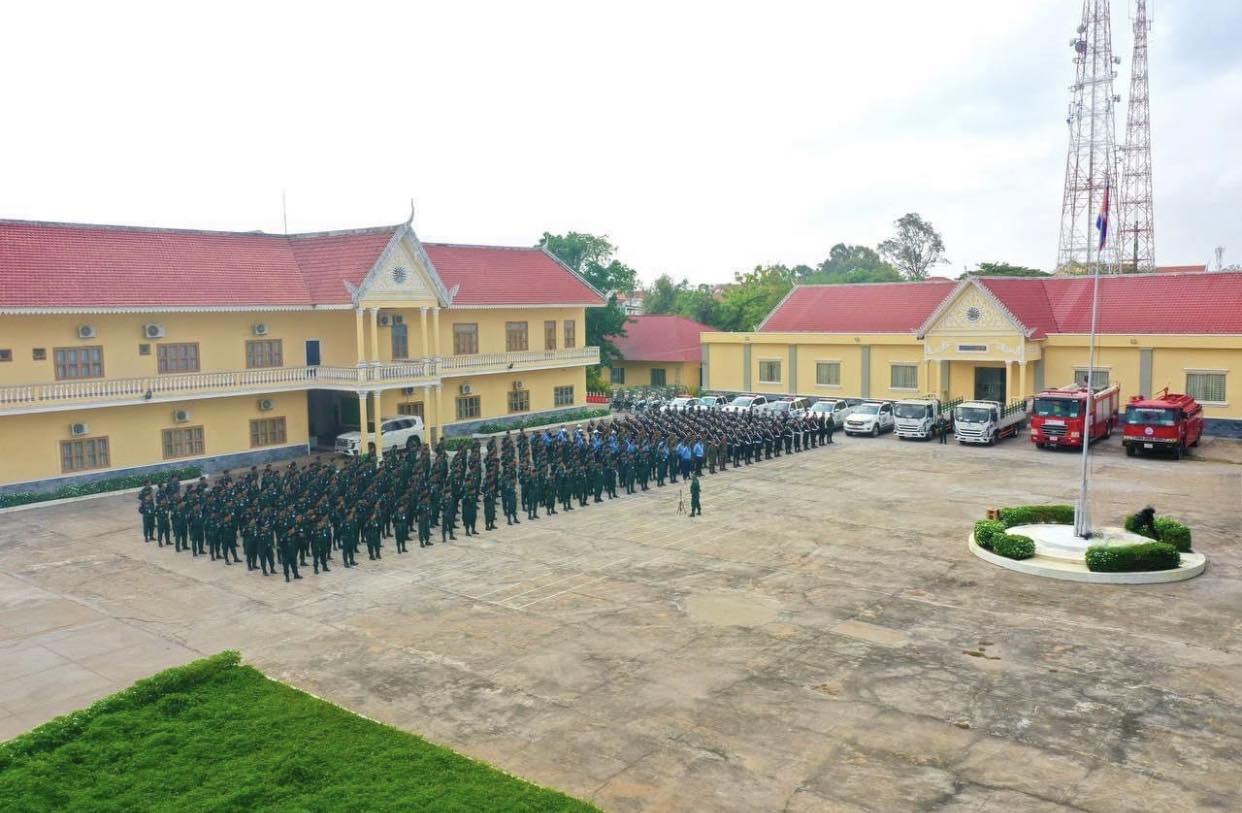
{"x":1101,"y":220}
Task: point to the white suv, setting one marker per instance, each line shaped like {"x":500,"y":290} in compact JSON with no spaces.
{"x":838,"y":409}
{"x":793,"y":407}
{"x":871,"y":418}
{"x":405,"y":431}
{"x":745,"y":403}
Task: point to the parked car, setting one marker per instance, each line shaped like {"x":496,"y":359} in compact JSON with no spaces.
{"x":870,"y":418}
{"x":682,"y":403}
{"x":745,"y":403}
{"x":836,"y":408}
{"x":793,"y":407}
{"x":713,"y":401}
{"x":403,"y":432}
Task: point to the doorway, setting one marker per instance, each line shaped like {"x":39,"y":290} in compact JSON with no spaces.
{"x":312,"y":352}
{"x":990,"y":384}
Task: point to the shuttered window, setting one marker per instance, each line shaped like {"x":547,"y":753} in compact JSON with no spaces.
{"x":571,"y":334}
{"x":78,"y":362}
{"x":468,"y":406}
{"x":267,"y":432}
{"x":516,"y":337}
{"x":549,"y":335}
{"x":1206,"y":388}
{"x":184,"y":441}
{"x":465,"y":339}
{"x":828,"y":373}
{"x":264,"y":353}
{"x":563,"y":396}
{"x":519,"y":400}
{"x":81,"y":455}
{"x":904,"y":377}
{"x":177,"y":358}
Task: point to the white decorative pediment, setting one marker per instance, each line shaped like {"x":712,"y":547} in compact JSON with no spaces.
{"x":972,"y":310}
{"x":403,"y":273}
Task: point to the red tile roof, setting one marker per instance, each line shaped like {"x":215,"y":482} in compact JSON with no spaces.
{"x":882,"y":307}
{"x":84,"y":266}
{"x":1181,"y":269}
{"x":1175,"y":303}
{"x":661,"y":338}
{"x":491,"y":275}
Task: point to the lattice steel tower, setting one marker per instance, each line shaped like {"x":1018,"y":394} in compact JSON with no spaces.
{"x":1092,"y":161}
{"x":1137,"y":236}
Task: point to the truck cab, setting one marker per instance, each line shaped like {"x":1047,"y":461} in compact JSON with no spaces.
{"x":987,"y":421}
{"x":1057,"y":416}
{"x":1167,"y":422}
{"x":870,"y":418}
{"x":916,"y":417}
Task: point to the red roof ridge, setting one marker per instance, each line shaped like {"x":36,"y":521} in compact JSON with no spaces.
{"x":342,"y":232}
{"x":871,"y":284}
{"x":480,"y":245}
{"x":148,"y":229}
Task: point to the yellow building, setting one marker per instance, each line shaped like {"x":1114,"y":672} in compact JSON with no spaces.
{"x":994,"y":338}
{"x":127,"y":350}
{"x":659,"y":351}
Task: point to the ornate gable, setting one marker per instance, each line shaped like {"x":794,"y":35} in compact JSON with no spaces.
{"x":973,"y":324}
{"x":403,"y":275}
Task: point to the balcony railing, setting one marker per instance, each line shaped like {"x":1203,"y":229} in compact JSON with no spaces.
{"x":405,"y":372}
{"x":482,"y":363}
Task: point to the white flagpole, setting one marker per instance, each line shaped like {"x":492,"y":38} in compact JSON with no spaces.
{"x":1082,"y":512}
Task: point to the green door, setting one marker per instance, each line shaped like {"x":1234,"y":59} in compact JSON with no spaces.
{"x":990,"y":384}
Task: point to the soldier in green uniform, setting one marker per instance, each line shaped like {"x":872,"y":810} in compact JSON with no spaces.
{"x":401,"y":525}
{"x":163,"y":522}
{"x":180,"y":525}
{"x":424,"y":522}
{"x":289,"y":555}
{"x":489,"y":504}
{"x":470,"y":510}
{"x":263,"y":542}
{"x":228,"y":531}
{"x":321,"y":545}
{"x":198,"y":530}
{"x":696,"y":507}
{"x":349,"y":539}
{"x":147,"y":508}
{"x":508,"y":501}
{"x":371,"y":535}
{"x":531,"y":495}
{"x":250,"y":544}
{"x":447,"y":510}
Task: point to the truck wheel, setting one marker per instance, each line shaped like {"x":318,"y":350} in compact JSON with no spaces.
{"x":1130,"y":451}
{"x":1108,"y":430}
{"x":1177,"y":452}
{"x":875,"y":430}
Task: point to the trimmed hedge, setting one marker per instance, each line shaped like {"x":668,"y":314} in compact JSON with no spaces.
{"x":1132,"y":558}
{"x":1037,"y":515}
{"x":1014,"y":546}
{"x":987,"y":531}
{"x":1174,"y":533}
{"x":576,"y":415}
{"x":63,"y":729}
{"x":99,"y":486}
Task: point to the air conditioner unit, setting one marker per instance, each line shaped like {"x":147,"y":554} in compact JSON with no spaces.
{"x":465,"y":389}
{"x":398,"y":319}
{"x":259,"y":329}
{"x":181,"y":415}
{"x":266,"y":404}
{"x":153,"y":331}
{"x":86,"y":331}
{"x":385,"y":320}
{"x":79,"y":429}
{"x":519,"y":385}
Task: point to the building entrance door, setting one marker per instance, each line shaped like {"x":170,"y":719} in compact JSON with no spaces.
{"x":312,"y":352}
{"x":990,"y":384}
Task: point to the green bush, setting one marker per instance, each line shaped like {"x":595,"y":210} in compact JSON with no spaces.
{"x":573,"y":416}
{"x":1037,"y":515}
{"x":1132,"y":525}
{"x":1014,"y":546}
{"x":1174,"y":533}
{"x":99,"y":486}
{"x":1132,"y":558}
{"x":986,"y":531}
{"x":459,"y":443}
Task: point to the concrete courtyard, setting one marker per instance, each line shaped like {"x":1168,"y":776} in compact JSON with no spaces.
{"x":821,"y":639}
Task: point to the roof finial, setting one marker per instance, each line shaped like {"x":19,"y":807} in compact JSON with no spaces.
{"x":410,"y":219}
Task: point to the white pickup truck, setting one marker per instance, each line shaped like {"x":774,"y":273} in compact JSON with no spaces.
{"x":870,"y":418}
{"x":838,"y":409}
{"x":746,"y":403}
{"x":987,"y":421}
{"x":402,"y":432}
{"x":917,"y":417}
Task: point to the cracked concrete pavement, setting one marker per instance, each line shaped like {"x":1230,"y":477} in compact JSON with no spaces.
{"x":820,"y":639}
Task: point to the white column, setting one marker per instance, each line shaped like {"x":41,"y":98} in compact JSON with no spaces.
{"x":375,"y":359}
{"x":362,"y":422}
{"x":439,"y":411}
{"x":361,"y":336}
{"x":379,"y":427}
{"x":435,"y":328}
{"x":422,"y":318}
{"x":1009,"y":396}
{"x":1022,"y":390}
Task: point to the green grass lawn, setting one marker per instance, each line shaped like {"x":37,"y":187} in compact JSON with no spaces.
{"x":215,"y":735}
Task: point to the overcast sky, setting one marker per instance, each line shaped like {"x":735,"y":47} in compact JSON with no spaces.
{"x":703,"y":139}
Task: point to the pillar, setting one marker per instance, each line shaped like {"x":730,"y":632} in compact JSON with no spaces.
{"x":439,"y":411}
{"x":361,"y":336}
{"x":375,"y":359}
{"x":1009,"y":396}
{"x":362,"y":422}
{"x":379,"y":427}
{"x":429,"y":413}
{"x":422,"y":321}
{"x":435,"y":329}
{"x":746,"y":367}
{"x":1022,"y":390}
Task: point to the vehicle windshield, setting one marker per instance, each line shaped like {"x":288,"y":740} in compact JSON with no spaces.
{"x":822,"y":406}
{"x":742,"y":400}
{"x":681,"y":401}
{"x":1057,"y":408}
{"x":971,"y":414}
{"x":911,"y":410}
{"x":1146,"y":416}
{"x":868,"y":409}
{"x":780,"y":406}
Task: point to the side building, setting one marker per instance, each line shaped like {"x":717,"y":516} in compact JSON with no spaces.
{"x":659,"y":351}
{"x":129,"y":350}
{"x":995,"y":338}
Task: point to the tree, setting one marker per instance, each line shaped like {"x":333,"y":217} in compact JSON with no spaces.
{"x":591,"y":256}
{"x":753,"y":296}
{"x":999,"y":269}
{"x":915,"y":248}
{"x":661,"y":297}
{"x":698,"y":303}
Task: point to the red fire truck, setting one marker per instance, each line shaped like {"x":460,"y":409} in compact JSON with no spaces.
{"x":1167,"y":421}
{"x":1057,"y":419}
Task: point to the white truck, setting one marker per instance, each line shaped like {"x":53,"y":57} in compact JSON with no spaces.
{"x":870,"y":418}
{"x":917,"y":417}
{"x":838,"y":409}
{"x":988,"y":421}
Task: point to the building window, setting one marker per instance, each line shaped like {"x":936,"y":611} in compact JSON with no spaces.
{"x":468,"y":406}
{"x":264,"y":353}
{"x":904,"y":377}
{"x":411,"y":408}
{"x":267,"y":432}
{"x":80,"y":455}
{"x":519,"y":400}
{"x":465,"y":339}
{"x":78,"y":362}
{"x":563,"y":396}
{"x":144,"y":349}
{"x":39,"y":354}
{"x":177,"y":358}
{"x":1099,"y":378}
{"x":516,"y":337}
{"x":400,"y":339}
{"x":769,"y":372}
{"x":183,"y":442}
{"x":571,"y":334}
{"x":6,"y":355}
{"x":617,"y":375}
{"x":549,"y":335}
{"x":1206,"y":388}
{"x":658,"y":377}
{"x":828,"y":373}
